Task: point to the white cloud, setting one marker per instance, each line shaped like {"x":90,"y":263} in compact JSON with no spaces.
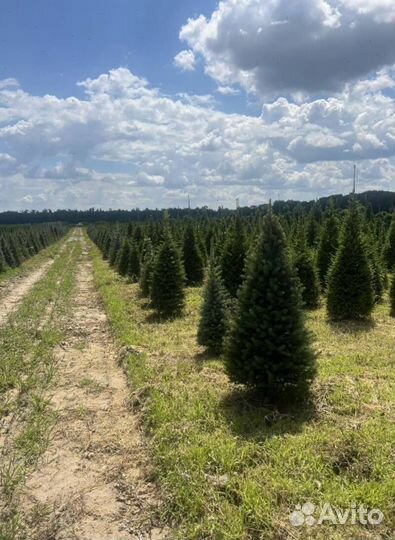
{"x":185,"y":60}
{"x":227,"y":91}
{"x":126,"y":144}
{"x":279,"y":47}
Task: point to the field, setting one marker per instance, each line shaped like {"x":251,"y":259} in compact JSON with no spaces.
{"x":114,"y":423}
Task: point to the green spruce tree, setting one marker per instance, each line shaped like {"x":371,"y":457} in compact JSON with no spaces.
{"x":308,"y":276}
{"x":124,"y":256}
{"x":389,"y":246}
{"x":233,"y":257}
{"x":193,"y":260}
{"x":214,"y":311}
{"x":327,"y":248}
{"x":376,"y":267}
{"x":268,"y":347}
{"x":350,"y":290}
{"x":147,"y":268}
{"x":133,"y":270}
{"x":114,"y":249}
{"x":392,"y":296}
{"x":167,"y":288}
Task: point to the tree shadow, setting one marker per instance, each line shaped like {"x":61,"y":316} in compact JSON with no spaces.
{"x":254,"y":417}
{"x":145,"y":303}
{"x":156,"y":318}
{"x":352,"y":327}
{"x":205,"y":356}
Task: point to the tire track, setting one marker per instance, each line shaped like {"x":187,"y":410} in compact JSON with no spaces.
{"x":93,"y":477}
{"x":17,"y":288}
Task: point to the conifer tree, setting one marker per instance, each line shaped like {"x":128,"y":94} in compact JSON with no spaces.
{"x":146,"y":275}
{"x":233,"y":258}
{"x":107,"y":246}
{"x":350,"y":290}
{"x":314,"y":225}
{"x":138,"y":235}
{"x":327,"y":248}
{"x":389,"y":247}
{"x":114,"y":249}
{"x":376,"y":267}
{"x":193,"y":260}
{"x":123,"y":261}
{"x":3,"y":264}
{"x":146,"y":248}
{"x":214,"y":311}
{"x":167,"y":288}
{"x":268,"y":346}
{"x":133,"y":270}
{"x":9,"y":258}
{"x":392,"y":296}
{"x":308,"y":276}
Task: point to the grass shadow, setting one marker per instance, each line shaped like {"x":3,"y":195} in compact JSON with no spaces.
{"x":352,"y":327}
{"x":253,"y":417}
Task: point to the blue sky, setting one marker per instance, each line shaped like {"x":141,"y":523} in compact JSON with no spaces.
{"x":142,"y":103}
{"x":48,"y":45}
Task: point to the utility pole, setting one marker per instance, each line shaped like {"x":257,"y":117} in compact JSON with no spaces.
{"x":189,"y":203}
{"x":354,"y":180}
{"x":237,"y":204}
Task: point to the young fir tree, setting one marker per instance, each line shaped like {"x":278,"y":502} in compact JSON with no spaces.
{"x":114,"y":249}
{"x":306,"y":272}
{"x":124,"y":256}
{"x":214,"y":311}
{"x":146,"y":268}
{"x":376,"y":267}
{"x":146,"y":248}
{"x":133,"y":270}
{"x":314,"y":225}
{"x":268,"y":346}
{"x":389,"y":246}
{"x":3,"y":264}
{"x":350,"y":290}
{"x":327,"y":248}
{"x":392,"y":296}
{"x":167,"y":288}
{"x":233,"y":258}
{"x":193,"y":260}
{"x":107,"y":241}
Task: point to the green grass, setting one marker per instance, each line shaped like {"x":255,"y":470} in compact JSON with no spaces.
{"x":231,"y":468}
{"x":27,"y":369}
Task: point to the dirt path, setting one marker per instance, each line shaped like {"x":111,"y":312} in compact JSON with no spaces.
{"x":17,"y":288}
{"x":13,"y":291}
{"x":91,"y":483}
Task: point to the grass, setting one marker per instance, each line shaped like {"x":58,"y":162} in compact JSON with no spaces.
{"x":91,"y":386}
{"x":27,"y":369}
{"x":231,"y":468}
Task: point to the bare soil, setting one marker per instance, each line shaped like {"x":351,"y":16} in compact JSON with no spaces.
{"x":14,"y":290}
{"x":92,"y":483}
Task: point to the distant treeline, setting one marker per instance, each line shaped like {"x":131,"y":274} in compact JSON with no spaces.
{"x":376,"y":201}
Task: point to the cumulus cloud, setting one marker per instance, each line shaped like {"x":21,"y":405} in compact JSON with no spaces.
{"x":280,"y":47}
{"x":228,"y":90}
{"x":185,"y":60}
{"x":125,"y":144}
